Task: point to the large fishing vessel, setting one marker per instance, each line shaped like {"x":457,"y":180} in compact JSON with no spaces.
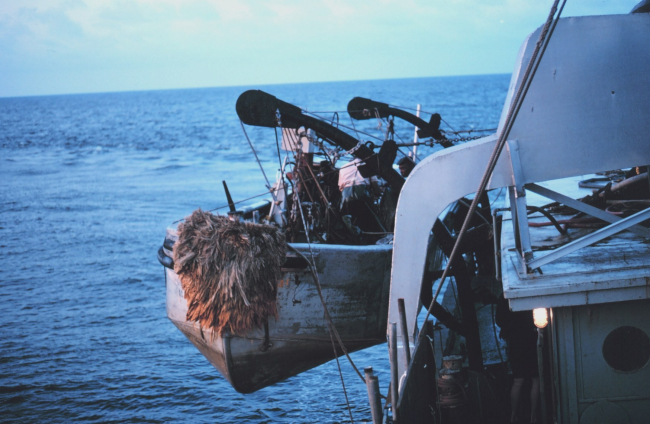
{"x":577,"y":105}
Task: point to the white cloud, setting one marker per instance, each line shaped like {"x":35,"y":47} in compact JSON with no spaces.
{"x":226,"y":42}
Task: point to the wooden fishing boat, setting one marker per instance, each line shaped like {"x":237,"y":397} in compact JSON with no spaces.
{"x":355,"y":282}
{"x":352,"y":270}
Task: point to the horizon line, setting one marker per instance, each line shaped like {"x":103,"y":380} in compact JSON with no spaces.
{"x":243,"y":85}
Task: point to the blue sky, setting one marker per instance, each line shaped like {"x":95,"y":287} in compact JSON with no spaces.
{"x":78,"y":46}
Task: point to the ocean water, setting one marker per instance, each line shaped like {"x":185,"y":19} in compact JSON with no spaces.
{"x":88,"y":184}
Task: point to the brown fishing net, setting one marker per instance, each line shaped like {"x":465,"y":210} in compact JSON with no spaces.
{"x":229,"y":271}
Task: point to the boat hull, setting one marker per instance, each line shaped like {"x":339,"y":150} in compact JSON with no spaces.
{"x":355,"y":282}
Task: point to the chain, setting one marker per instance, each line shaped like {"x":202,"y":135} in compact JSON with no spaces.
{"x":462,"y":139}
{"x":332,"y":154}
{"x":335,"y":155}
{"x":431,"y":142}
{"x":352,"y":150}
{"x":278,"y":117}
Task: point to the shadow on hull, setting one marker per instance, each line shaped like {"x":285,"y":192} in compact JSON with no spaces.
{"x":355,"y":282}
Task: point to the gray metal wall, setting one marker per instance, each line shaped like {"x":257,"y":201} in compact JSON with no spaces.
{"x":589,"y":389}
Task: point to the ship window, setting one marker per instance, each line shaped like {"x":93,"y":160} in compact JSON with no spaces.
{"x":627,"y":349}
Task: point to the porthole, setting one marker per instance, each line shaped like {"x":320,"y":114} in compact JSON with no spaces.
{"x":627,"y":349}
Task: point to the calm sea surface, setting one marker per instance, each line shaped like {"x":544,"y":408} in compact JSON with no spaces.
{"x":88,"y":184}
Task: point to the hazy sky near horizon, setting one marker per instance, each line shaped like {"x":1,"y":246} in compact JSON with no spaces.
{"x":78,"y":46}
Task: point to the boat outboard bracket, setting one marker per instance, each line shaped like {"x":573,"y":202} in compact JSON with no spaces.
{"x":255,"y":107}
{"x":361,"y":108}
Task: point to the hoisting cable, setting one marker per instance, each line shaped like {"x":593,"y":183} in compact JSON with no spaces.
{"x":354,"y":127}
{"x":327,"y":203}
{"x":277,"y":145}
{"x":453,"y":131}
{"x":319,"y":289}
{"x":509,"y":122}
{"x":327,"y":315}
{"x":268,"y":185}
{"x":380,"y":124}
{"x":336,"y":114}
{"x":447,"y":123}
{"x":272,"y":191}
{"x":344,"y":126}
{"x":330,"y":323}
{"x":410,"y":108}
{"x":398,"y":146}
{"x":454,"y":140}
{"x":477,"y":213}
{"x":338,"y":364}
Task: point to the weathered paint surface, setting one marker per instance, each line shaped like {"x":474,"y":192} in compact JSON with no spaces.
{"x":586,"y":385}
{"x":355,"y":282}
{"x":586,"y":111}
{"x":615,"y":269}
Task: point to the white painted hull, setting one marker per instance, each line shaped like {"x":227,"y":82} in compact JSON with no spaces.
{"x":355,"y":282}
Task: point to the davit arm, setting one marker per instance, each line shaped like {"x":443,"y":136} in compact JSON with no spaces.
{"x":431,"y":187}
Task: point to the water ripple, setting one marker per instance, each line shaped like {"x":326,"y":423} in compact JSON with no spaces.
{"x":90,"y":182}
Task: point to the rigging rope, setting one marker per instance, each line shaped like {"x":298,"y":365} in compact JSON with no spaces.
{"x":272,"y":191}
{"x":327,"y":315}
{"x":277,"y":145}
{"x":453,"y":131}
{"x":338,"y":364}
{"x":477,"y":213}
{"x":333,"y":158}
{"x":473,"y":130}
{"x":319,"y":289}
{"x":512,"y":115}
{"x":268,"y":185}
{"x":447,"y":123}
{"x":380,"y":124}
{"x":344,"y":126}
{"x":354,"y":127}
{"x":333,"y":332}
{"x":330,"y":323}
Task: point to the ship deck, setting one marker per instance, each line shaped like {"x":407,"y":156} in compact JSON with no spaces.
{"x":614,"y":269}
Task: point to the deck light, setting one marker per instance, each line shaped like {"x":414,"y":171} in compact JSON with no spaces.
{"x":540,"y":316}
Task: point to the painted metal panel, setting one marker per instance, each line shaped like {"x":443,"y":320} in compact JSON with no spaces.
{"x":599,"y":381}
{"x":568,"y":390}
{"x":583,"y":377}
{"x":587,"y":107}
{"x":355,"y":283}
{"x":429,"y":189}
{"x":586,"y":111}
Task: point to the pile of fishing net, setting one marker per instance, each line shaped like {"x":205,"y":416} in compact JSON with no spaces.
{"x":229,"y":271}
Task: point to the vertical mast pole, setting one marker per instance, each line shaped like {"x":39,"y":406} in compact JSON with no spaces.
{"x":416,"y":138}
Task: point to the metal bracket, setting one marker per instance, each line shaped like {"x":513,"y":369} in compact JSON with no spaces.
{"x":583,"y":207}
{"x":518,"y":204}
{"x":592,"y":238}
